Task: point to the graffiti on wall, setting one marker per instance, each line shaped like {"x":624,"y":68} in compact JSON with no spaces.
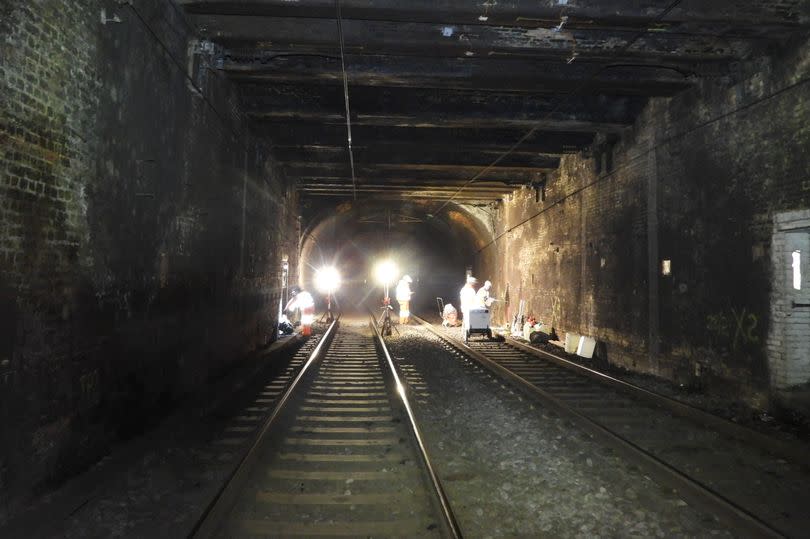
{"x":737,"y":329}
{"x":556,"y":311}
{"x":89,"y":384}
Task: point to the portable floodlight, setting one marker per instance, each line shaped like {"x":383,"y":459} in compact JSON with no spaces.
{"x":386,"y":272}
{"x":327,"y":280}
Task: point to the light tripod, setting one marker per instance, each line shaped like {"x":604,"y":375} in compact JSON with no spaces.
{"x":386,"y":272}
{"x":384,"y":323}
{"x":327,"y":314}
{"x":327,"y":281}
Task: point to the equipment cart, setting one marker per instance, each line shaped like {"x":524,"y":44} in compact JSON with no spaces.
{"x":478,"y":323}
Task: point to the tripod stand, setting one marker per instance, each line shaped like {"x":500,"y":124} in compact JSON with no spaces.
{"x":384,"y":322}
{"x":327,"y":314}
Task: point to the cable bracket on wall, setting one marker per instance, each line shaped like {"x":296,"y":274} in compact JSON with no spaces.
{"x":106,"y":20}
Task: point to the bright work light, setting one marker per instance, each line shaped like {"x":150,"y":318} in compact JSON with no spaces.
{"x":327,"y":280}
{"x":386,"y":272}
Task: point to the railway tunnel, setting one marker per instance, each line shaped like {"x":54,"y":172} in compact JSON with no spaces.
{"x":632,"y":173}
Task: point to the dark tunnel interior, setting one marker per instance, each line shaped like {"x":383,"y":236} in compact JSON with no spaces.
{"x":434,"y":250}
{"x":632,"y":176}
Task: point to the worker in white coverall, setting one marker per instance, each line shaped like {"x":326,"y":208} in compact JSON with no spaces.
{"x":403,"y":295}
{"x":483,"y":301}
{"x":302,"y":300}
{"x":467,"y":297}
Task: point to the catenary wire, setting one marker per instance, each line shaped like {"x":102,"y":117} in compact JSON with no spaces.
{"x":644,"y":153}
{"x":182,"y":69}
{"x":346,"y":97}
{"x":237,"y":135}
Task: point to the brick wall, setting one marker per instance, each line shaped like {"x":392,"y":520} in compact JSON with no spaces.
{"x":140,"y":229}
{"x":698,"y":181}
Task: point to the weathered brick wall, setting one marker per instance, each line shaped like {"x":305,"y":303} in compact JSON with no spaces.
{"x":697,"y":181}
{"x":140,"y":225}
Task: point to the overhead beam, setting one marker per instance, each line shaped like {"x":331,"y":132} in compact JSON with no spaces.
{"x":444,"y":121}
{"x":450,"y":187}
{"x":523,"y":178}
{"x":468,"y":169}
{"x":319,"y":35}
{"x":299,"y":101}
{"x":493,"y":74}
{"x":526,"y":13}
{"x":432,"y":174}
{"x":426,"y":161}
{"x":298,"y":134}
{"x":410,"y":182}
{"x":442,"y":152}
{"x":413,"y":156}
{"x":404,"y":107}
{"x":379,"y":194}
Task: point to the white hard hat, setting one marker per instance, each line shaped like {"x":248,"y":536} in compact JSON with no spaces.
{"x":487,"y":284}
{"x":407,"y":279}
{"x":471,"y":279}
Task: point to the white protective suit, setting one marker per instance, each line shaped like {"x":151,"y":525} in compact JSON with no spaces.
{"x":467,"y":297}
{"x":482,"y":296}
{"x":403,"y":295}
{"x":303,"y":301}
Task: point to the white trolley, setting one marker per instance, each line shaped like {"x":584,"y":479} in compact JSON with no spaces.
{"x":477,"y":322}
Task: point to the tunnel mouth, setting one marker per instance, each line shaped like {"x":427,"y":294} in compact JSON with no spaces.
{"x":434,"y":250}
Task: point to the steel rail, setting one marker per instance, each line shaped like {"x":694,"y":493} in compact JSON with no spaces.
{"x":447,"y":511}
{"x":790,"y":451}
{"x":737,"y":518}
{"x":216,"y":512}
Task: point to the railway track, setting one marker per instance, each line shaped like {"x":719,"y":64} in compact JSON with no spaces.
{"x":338,"y":456}
{"x":756,"y":487}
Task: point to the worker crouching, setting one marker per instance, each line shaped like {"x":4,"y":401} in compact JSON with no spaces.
{"x":302,"y":300}
{"x":449,"y":316}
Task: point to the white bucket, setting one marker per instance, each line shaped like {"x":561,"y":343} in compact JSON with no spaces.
{"x":586,"y":346}
{"x":571,"y":342}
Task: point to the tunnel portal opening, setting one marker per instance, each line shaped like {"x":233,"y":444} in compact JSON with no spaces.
{"x":434,"y":250}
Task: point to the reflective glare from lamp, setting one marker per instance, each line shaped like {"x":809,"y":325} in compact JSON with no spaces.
{"x":327,"y":280}
{"x":386,"y":272}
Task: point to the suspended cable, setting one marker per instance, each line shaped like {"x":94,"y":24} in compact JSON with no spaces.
{"x":557,"y":107}
{"x":644,"y":153}
{"x":346,"y":98}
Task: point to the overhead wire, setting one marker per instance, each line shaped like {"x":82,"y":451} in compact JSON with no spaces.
{"x":346,"y":98}
{"x":557,"y":107}
{"x":648,"y":151}
{"x":236,"y":135}
{"x":182,"y":69}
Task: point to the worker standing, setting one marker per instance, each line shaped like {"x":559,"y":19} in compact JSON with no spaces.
{"x":302,"y":300}
{"x":467,"y":297}
{"x":482,"y":296}
{"x":404,"y":294}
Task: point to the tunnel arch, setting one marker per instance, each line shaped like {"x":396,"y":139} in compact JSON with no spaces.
{"x":435,"y":249}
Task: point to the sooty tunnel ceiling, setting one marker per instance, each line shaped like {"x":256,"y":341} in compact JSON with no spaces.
{"x":465,"y":100}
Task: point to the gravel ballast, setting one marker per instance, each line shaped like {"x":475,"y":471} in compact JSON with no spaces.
{"x":514,"y":469}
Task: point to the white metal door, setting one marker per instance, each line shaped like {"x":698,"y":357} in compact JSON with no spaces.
{"x":796,"y":322}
